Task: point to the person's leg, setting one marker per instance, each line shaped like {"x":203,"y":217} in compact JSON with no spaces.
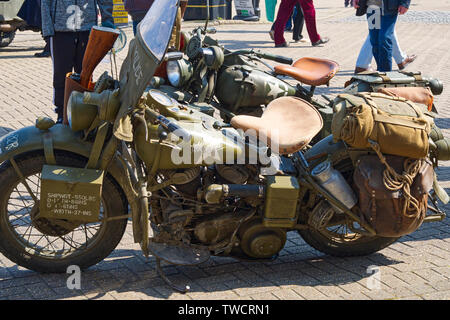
{"x":62,"y":46}
{"x":283,"y":14}
{"x":135,"y":23}
{"x":385,"y":42}
{"x":298,"y":24}
{"x":374,"y":31}
{"x":289,"y":23}
{"x":365,"y":55}
{"x":81,"y":44}
{"x":309,"y":13}
{"x":397,"y":53}
{"x":46,"y":51}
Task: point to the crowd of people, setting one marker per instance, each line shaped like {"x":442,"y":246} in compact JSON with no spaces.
{"x":66,"y":25}
{"x":381,"y":42}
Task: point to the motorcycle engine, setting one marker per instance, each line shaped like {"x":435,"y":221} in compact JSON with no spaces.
{"x":237,"y":174}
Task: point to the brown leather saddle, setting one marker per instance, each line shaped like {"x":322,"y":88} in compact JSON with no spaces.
{"x":288,"y":124}
{"x":310,"y":71}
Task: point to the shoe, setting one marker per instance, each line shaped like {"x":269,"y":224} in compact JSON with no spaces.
{"x":321,"y":41}
{"x":282,"y":45}
{"x":359,"y":70}
{"x":43,"y":54}
{"x":300,"y":40}
{"x":408,"y":60}
{"x":272,"y":34}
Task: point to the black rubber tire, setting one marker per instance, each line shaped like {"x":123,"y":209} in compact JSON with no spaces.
{"x":319,"y":242}
{"x":113,"y":201}
{"x":7,"y":38}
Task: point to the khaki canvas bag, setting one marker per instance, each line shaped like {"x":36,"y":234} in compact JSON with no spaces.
{"x":397,"y":125}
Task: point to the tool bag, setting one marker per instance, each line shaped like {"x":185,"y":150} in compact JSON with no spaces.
{"x":397,"y":125}
{"x":393,"y":192}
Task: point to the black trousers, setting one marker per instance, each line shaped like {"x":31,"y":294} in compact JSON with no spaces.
{"x":298,"y":23}
{"x":67,"y":53}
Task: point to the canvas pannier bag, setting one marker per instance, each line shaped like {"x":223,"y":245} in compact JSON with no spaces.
{"x":393,"y":204}
{"x":397,"y":125}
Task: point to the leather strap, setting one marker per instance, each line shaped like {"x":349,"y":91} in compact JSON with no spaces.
{"x":48,"y":148}
{"x":98,"y":145}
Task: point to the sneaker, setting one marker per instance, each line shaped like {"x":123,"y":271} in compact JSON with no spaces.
{"x":408,"y":60}
{"x":321,"y":41}
{"x":272,"y":34}
{"x":282,"y":45}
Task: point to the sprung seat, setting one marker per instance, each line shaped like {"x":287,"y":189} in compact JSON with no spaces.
{"x":288,"y":124}
{"x":311,"y":71}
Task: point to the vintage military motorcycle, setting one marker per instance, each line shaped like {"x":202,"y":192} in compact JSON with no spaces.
{"x":191,"y":187}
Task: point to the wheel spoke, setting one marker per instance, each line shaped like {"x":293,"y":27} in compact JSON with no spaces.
{"x":45,"y":237}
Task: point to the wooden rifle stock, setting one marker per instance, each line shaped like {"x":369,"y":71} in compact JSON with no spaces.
{"x":101,"y":40}
{"x":183,"y":6}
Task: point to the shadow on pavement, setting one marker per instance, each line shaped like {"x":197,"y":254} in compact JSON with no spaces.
{"x":20,"y":48}
{"x":16,"y":56}
{"x":128,"y":273}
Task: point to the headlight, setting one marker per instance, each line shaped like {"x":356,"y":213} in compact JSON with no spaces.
{"x":80,"y":115}
{"x":179,"y":72}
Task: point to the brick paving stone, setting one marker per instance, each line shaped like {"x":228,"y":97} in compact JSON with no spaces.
{"x":310,"y":293}
{"x":441,"y":295}
{"x":287,"y":294}
{"x":417,"y":266}
{"x":263,"y":296}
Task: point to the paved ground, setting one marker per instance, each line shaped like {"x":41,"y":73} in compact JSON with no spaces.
{"x":416,"y":267}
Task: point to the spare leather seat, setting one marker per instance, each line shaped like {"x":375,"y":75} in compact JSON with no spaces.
{"x":310,"y":71}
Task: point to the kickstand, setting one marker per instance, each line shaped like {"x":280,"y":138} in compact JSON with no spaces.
{"x":170,"y":283}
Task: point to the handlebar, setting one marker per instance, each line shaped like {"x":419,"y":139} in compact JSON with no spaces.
{"x":263,"y":55}
{"x":274,"y":57}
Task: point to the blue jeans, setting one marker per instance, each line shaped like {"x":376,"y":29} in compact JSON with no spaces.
{"x":365,"y":54}
{"x":381,"y":38}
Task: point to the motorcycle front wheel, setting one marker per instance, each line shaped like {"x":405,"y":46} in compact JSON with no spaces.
{"x":52,"y":245}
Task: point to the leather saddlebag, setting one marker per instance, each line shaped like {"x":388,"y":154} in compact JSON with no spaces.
{"x":393,"y":203}
{"x":397,"y":125}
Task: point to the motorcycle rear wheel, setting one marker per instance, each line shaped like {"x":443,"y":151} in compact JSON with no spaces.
{"x":344,"y":243}
{"x":51,"y":245}
{"x":339,"y":240}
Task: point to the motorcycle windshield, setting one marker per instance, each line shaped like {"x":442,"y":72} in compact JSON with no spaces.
{"x":156,"y":28}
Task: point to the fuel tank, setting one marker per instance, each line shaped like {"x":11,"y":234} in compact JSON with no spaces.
{"x":242,"y":86}
{"x":207,"y":145}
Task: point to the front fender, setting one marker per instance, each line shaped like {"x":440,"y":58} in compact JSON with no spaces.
{"x":30,"y":139}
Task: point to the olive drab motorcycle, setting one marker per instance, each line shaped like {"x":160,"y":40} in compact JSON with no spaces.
{"x":199,"y":188}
